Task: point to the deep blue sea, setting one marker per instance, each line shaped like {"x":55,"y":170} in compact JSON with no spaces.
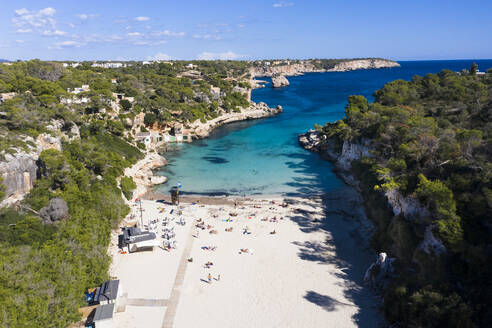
{"x":263,"y":156}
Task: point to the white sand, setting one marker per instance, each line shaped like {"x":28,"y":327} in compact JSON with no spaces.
{"x":292,"y":279}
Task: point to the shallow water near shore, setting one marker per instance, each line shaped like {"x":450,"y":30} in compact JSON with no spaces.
{"x":263,"y":156}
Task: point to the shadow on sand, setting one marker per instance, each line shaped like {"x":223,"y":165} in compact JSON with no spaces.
{"x":346,"y":244}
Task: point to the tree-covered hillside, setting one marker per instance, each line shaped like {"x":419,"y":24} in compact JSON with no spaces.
{"x":431,"y":141}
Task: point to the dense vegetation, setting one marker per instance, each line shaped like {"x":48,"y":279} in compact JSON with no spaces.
{"x":166,"y":91}
{"x":430,"y":139}
{"x":45,"y":268}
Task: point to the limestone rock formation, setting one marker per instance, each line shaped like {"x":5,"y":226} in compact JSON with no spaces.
{"x":379,"y":273}
{"x":430,"y":244}
{"x":279,"y":81}
{"x":19,"y":170}
{"x":56,"y":210}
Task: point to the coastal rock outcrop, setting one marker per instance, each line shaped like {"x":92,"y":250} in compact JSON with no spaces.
{"x":56,"y":210}
{"x":311,"y":140}
{"x":279,"y":81}
{"x":380,"y":273}
{"x":143,"y":175}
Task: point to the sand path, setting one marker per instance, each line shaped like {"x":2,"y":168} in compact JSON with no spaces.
{"x":178,"y":283}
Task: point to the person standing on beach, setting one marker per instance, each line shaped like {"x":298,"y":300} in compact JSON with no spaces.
{"x":209,"y":278}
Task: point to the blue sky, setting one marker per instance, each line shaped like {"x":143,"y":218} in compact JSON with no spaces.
{"x":245,"y":29}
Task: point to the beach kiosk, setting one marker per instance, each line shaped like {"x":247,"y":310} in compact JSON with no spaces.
{"x":101,"y":317}
{"x":175,"y":195}
{"x":108,"y":292}
{"x":136,"y":239}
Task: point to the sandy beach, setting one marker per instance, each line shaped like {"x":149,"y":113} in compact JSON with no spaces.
{"x":295,"y":277}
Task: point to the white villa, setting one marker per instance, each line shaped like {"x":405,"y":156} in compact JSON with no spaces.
{"x":83,"y":88}
{"x":109,"y":65}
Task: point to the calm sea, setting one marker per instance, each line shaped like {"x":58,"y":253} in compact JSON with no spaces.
{"x":263,"y":156}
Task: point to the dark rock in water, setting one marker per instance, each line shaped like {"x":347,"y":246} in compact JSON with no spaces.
{"x":215,"y":159}
{"x":311,"y":140}
{"x":56,"y":210}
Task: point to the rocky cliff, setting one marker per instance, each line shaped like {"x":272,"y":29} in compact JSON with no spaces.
{"x":363,"y":64}
{"x":19,"y":169}
{"x":342,"y":157}
{"x":308,"y":66}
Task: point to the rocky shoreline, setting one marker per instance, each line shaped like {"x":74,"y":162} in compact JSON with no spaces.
{"x":407,"y":206}
{"x":254,"y":111}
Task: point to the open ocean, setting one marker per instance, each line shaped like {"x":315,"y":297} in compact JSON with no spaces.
{"x":263,"y":156}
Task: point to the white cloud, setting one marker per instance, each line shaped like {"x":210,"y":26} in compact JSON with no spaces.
{"x":142,"y":18}
{"x":207,"y":36}
{"x":171,"y":33}
{"x":283,"y":4}
{"x":149,"y":43}
{"x":229,"y":55}
{"x":38,"y":21}
{"x":21,"y":12}
{"x":159,"y":56}
{"x":52,"y":33}
{"x":47,"y":11}
{"x":87,"y":16}
{"x":67,"y":44}
{"x":134,"y":34}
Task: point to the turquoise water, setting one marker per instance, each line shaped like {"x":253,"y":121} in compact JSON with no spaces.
{"x":263,"y":156}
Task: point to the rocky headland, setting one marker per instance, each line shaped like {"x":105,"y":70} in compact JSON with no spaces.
{"x":287,"y":68}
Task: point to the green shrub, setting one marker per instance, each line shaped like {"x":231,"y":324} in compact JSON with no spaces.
{"x":127,"y":186}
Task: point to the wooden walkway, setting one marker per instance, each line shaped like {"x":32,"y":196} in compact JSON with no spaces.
{"x":178,"y":282}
